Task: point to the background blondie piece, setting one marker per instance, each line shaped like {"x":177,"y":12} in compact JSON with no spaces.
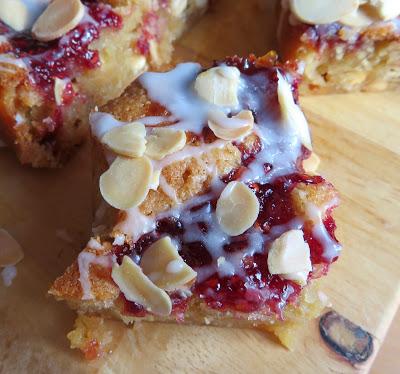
{"x":59,"y":59}
{"x":348,"y":45}
{"x":206,"y":214}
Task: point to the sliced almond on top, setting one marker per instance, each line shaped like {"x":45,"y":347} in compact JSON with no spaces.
{"x":360,"y":17}
{"x":299,"y":277}
{"x":155,"y":180}
{"x":15,"y":14}
{"x":289,"y":254}
{"x":230,"y":128}
{"x":59,"y":88}
{"x":387,"y":9}
{"x":219,"y":85}
{"x":126,"y":183}
{"x":237,"y":208}
{"x":322,"y":11}
{"x":310,"y":165}
{"x":177,"y":7}
{"x":59,"y":17}
{"x":10,"y":250}
{"x":137,"y":287}
{"x":292,"y":115}
{"x":163,"y":142}
{"x":128,"y":140}
{"x":162,"y":263}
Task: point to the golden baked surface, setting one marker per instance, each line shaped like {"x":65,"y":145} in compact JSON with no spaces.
{"x":47,"y":89}
{"x":342,"y":58}
{"x":226,"y":204}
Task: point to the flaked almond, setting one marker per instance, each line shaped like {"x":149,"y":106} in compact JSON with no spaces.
{"x":126,"y":183}
{"x":289,"y":254}
{"x":163,"y":142}
{"x":219,"y":85}
{"x":10,"y":250}
{"x":59,"y":88}
{"x":230,"y":128}
{"x":162,"y":263}
{"x":15,"y":14}
{"x":311,"y":164}
{"x":128,"y":140}
{"x":360,"y":17}
{"x":387,"y":9}
{"x":321,"y":12}
{"x":177,"y":7}
{"x":299,"y":277}
{"x":292,"y":115}
{"x":137,"y":287}
{"x":155,"y":179}
{"x":59,"y":17}
{"x":237,"y":208}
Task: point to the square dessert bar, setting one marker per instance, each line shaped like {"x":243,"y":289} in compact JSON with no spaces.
{"x":347,"y":45}
{"x":209,"y":211}
{"x":60,"y":59}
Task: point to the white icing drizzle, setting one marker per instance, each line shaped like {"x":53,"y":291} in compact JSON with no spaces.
{"x":85,"y":259}
{"x":6,"y":60}
{"x":35,"y":9}
{"x":281,"y":147}
{"x":168,"y":190}
{"x":136,"y":224}
{"x":331,"y":247}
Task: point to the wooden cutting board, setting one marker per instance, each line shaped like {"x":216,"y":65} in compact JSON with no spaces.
{"x":49,"y":212}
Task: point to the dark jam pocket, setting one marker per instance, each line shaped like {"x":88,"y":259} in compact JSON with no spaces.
{"x":253,"y":288}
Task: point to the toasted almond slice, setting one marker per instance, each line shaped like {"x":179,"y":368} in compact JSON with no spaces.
{"x":360,"y":17}
{"x":15,"y":14}
{"x":299,"y":277}
{"x":230,"y":128}
{"x":126,"y":183}
{"x":59,"y":87}
{"x":237,"y":208}
{"x":162,"y":263}
{"x":321,"y":12}
{"x":292,"y":115}
{"x":289,"y":254}
{"x":155,"y":180}
{"x":177,"y":7}
{"x":10,"y":250}
{"x":387,"y":9}
{"x":127,"y":140}
{"x":59,"y":17}
{"x":310,"y":165}
{"x":138,"y":288}
{"x":219,"y":85}
{"x":163,"y":142}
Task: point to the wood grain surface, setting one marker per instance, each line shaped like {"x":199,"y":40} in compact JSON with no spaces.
{"x":49,"y":212}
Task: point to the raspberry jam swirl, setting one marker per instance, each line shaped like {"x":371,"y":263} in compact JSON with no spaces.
{"x":65,"y":57}
{"x":232,"y":271}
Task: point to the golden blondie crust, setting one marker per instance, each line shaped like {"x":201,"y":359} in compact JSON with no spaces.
{"x":47,"y":88}
{"x":252,"y":139}
{"x":341,"y":57}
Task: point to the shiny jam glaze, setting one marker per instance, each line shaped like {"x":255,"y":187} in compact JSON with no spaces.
{"x":64,"y":57}
{"x":256,"y":289}
{"x":252,"y":288}
{"x":149,"y":31}
{"x":267,"y":292}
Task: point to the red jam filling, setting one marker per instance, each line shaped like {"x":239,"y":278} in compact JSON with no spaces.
{"x":257,"y":290}
{"x":149,"y":31}
{"x":64,"y":57}
{"x":329,"y":36}
{"x":254,"y":288}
